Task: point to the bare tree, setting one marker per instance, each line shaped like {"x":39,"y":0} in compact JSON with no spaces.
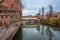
{"x":51,"y":10}
{"x":42,"y":12}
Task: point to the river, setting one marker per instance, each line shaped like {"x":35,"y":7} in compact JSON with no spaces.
{"x":41,"y":32}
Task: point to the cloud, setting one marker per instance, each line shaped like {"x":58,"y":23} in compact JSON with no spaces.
{"x":33,"y":6}
{"x":29,"y":12}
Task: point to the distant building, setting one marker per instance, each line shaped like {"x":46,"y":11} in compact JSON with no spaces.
{"x":54,"y":14}
{"x":57,"y":14}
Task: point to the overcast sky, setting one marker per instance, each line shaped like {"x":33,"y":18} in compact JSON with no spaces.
{"x":32,"y":6}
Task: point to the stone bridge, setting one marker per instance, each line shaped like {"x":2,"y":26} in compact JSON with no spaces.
{"x":31,"y":18}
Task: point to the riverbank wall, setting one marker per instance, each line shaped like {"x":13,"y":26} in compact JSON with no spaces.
{"x":7,"y":33}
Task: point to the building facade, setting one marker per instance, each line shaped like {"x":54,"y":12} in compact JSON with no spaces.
{"x":10,"y":11}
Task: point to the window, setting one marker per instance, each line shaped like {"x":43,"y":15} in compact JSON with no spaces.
{"x":0,"y":11}
{"x":1,"y":16}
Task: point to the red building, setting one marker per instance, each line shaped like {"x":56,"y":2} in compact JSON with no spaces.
{"x":10,"y":11}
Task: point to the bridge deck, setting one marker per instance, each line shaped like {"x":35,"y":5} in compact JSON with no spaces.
{"x":30,"y":18}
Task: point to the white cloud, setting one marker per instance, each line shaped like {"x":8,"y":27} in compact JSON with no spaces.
{"x":29,"y":12}
{"x":32,"y":6}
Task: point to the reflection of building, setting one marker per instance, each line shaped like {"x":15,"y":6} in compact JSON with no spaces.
{"x":10,"y":11}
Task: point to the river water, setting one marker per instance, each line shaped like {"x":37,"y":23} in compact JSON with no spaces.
{"x":41,"y":32}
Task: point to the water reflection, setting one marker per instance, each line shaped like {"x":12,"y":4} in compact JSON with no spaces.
{"x":49,"y":32}
{"x":38,"y":27}
{"x":18,"y":35}
{"x":41,"y":32}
